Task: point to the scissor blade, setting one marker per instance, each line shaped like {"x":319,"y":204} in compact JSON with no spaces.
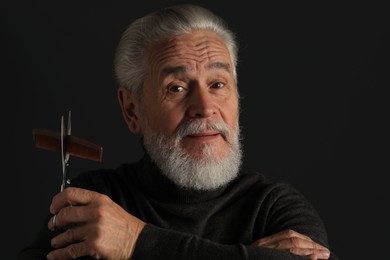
{"x":63,"y":154}
{"x":69,"y":126}
{"x":68,"y":132}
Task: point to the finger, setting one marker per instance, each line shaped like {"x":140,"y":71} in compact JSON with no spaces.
{"x":72,"y":235}
{"x":301,"y":247}
{"x":311,"y":254}
{"x":295,"y":242}
{"x":285,"y":234}
{"x":73,"y":251}
{"x":70,"y":216}
{"x":71,"y":196}
{"x":52,"y":224}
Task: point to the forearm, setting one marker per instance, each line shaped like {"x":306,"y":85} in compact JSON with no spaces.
{"x":157,"y":243}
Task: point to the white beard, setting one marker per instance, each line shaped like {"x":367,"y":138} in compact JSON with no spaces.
{"x":205,"y":173}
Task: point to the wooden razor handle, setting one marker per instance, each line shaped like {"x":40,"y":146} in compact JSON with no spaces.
{"x":75,"y":146}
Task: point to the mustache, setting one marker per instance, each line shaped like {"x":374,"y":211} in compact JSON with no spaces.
{"x":194,"y":126}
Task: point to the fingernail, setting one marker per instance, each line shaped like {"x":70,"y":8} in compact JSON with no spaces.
{"x":50,"y":225}
{"x":325,"y":253}
{"x":54,"y":243}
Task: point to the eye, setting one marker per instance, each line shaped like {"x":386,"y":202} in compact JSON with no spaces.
{"x":176,"y":89}
{"x":218,"y":85}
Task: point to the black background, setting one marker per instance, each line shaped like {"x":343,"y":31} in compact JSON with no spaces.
{"x":315,"y":112}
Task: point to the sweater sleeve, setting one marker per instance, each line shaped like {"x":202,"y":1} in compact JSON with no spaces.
{"x":158,"y":243}
{"x":282,"y":207}
{"x":278,"y":208}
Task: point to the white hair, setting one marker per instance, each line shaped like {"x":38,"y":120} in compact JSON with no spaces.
{"x":131,"y":54}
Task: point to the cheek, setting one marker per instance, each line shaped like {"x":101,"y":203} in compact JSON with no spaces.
{"x":164,"y":120}
{"x":230,"y":113}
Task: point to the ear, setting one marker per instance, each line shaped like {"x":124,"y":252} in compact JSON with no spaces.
{"x":130,"y":109}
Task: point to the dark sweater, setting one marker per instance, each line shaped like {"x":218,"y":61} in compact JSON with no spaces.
{"x":190,"y":224}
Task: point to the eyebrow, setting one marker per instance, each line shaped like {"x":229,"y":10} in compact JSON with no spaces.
{"x":219,"y":65}
{"x":178,"y":69}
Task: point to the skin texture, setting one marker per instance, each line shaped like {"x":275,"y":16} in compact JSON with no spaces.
{"x":189,"y":76}
{"x":100,"y":228}
{"x":295,"y":243}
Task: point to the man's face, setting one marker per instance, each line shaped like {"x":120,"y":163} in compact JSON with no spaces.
{"x":191,"y":77}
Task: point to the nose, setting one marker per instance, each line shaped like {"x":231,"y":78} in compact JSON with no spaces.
{"x":201,"y":103}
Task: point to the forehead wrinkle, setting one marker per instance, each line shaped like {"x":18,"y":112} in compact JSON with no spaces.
{"x":183,"y":52}
{"x":161,"y":53}
{"x":206,"y":47}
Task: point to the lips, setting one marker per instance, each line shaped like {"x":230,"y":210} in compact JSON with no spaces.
{"x":205,"y":134}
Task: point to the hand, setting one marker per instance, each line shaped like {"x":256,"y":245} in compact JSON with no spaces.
{"x":294,"y":243}
{"x":98,"y":227}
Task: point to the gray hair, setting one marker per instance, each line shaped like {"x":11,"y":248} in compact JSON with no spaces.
{"x":130,"y":57}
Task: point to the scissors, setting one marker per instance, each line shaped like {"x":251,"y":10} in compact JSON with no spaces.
{"x":68,"y":145}
{"x":64,"y":157}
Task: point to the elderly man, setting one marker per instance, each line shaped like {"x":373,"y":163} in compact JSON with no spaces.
{"x":187,"y":198}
